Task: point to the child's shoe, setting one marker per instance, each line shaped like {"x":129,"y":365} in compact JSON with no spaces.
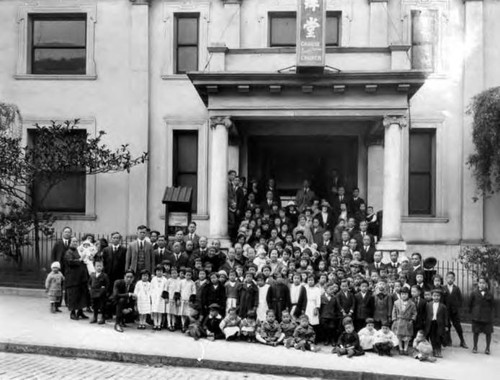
{"x":93,"y":319}
{"x":52,"y":308}
{"x":100,"y":319}
{"x":350,"y":353}
{"x":474,"y":350}
{"x":487,"y":351}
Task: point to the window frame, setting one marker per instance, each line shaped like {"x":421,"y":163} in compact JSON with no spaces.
{"x":87,"y":124}
{"x":175,"y":162}
{"x":431,"y":173}
{"x":32,"y":17}
{"x":23,"y":67}
{"x":288,"y":14}
{"x":177,"y":16}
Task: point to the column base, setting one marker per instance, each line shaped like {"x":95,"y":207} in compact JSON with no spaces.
{"x":391,"y":245}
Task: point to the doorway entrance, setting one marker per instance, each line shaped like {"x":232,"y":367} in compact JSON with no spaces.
{"x":291,"y":159}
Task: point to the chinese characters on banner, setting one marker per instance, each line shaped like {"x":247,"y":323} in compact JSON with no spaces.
{"x":311,"y":19}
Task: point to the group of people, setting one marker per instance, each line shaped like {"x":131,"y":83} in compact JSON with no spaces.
{"x":303,"y":282}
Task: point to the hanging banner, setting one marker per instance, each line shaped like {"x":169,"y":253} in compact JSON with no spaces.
{"x":311,"y":23}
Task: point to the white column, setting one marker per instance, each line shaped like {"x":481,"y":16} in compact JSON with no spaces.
{"x":218,"y":177}
{"x":473,"y":83}
{"x":393,"y":183}
{"x":375,"y":173}
{"x":138,"y":112}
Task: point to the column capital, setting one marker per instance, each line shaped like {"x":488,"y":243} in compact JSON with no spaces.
{"x":221,"y":120}
{"x":401,"y":120}
{"x":140,"y":2}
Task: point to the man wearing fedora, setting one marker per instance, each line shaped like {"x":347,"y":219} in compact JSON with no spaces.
{"x":305,"y":196}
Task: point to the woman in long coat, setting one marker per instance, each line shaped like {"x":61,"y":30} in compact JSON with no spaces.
{"x":76,"y":281}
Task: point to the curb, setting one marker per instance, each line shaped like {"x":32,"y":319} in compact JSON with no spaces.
{"x":157,"y":360}
{"x":22,"y":292}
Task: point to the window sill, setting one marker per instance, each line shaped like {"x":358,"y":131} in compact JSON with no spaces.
{"x":54,"y":77}
{"x":193,"y":216}
{"x":69,"y":216}
{"x":424,"y":219}
{"x":174,"y":77}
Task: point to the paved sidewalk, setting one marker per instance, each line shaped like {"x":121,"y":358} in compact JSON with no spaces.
{"x":27,"y":326}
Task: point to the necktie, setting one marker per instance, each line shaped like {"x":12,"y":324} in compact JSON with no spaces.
{"x":141,"y":245}
{"x":115,"y":249}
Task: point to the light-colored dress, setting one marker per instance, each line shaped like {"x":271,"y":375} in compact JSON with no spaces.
{"x":143,"y":292}
{"x":313,"y":302}
{"x":53,"y":285}
{"x":87,"y":252}
{"x":187,"y":289}
{"x":262,"y":306}
{"x":158,"y":285}
{"x":366,"y":338}
{"x":173,"y":286}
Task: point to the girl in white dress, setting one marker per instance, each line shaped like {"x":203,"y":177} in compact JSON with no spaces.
{"x":158,"y":286}
{"x":313,"y":303}
{"x":188,"y":298}
{"x":262,"y":305}
{"x":142,"y":292}
{"x":174,"y":298}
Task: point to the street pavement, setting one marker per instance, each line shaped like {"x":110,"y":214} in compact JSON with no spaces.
{"x":26,"y":325}
{"x":41,"y":367}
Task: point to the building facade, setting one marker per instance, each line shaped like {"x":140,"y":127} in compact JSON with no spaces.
{"x":207,"y":86}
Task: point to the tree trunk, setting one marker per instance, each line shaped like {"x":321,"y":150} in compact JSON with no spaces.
{"x":37,"y":237}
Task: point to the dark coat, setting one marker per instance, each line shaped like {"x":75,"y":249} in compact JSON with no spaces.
{"x":114,"y":263}
{"x":76,"y":272}
{"x":441,"y":318}
{"x":350,"y":340}
{"x":120,"y":290}
{"x":98,"y":286}
{"x":421,"y":307}
{"x":210,"y":295}
{"x":482,"y":307}
{"x":58,"y":252}
{"x":367,"y":255}
{"x":328,"y":308}
{"x":132,"y":255}
{"x":364,"y":307}
{"x":453,"y":300}
{"x":248,"y":298}
{"x":182,"y":261}
{"x":160,"y":257}
{"x":301,"y":303}
{"x":346,"y":304}
{"x":278,"y":298}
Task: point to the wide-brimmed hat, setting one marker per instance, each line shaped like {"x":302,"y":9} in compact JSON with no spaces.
{"x":325,"y":204}
{"x":214,"y":306}
{"x":290,"y":203}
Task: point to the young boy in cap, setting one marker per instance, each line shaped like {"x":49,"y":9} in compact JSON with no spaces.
{"x":211,"y":325}
{"x":349,"y":341}
{"x":269,"y":331}
{"x":304,"y":335}
{"x":436,"y":322}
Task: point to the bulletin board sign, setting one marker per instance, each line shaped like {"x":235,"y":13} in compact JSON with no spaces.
{"x":311,"y":25}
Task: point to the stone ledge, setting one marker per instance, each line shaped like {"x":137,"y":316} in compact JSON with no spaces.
{"x":54,"y":77}
{"x":197,"y":363}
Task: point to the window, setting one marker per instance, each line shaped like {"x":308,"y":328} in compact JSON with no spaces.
{"x":283,"y":29}
{"x":185,"y":165}
{"x":68,"y":195}
{"x":186,"y":42}
{"x":423,"y":39}
{"x":58,"y":43}
{"x":422,"y":172}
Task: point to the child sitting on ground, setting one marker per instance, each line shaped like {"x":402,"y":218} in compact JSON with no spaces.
{"x":269,"y":331}
{"x":194,"y":329}
{"x":367,"y":335}
{"x":288,"y":327}
{"x":54,"y":286}
{"x":423,"y":349}
{"x":304,"y":335}
{"x":349,"y":342}
{"x":211,"y":325}
{"x":248,"y":327}
{"x":230,"y":325}
{"x":384,"y":341}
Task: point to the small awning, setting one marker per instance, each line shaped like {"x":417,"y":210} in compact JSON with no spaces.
{"x":178,"y":195}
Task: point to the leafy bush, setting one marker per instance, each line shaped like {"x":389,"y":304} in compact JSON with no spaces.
{"x":482,"y":261}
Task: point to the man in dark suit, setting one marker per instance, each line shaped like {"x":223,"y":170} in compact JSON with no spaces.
{"x":271,"y":186}
{"x":325,"y":217}
{"x":416,"y":261}
{"x":452,"y":298}
{"x":114,"y":258}
{"x":435,"y":322}
{"x":377,"y":264}
{"x":363,"y":231}
{"x":327,"y":242}
{"x":191,"y":235}
{"x":364,"y":305}
{"x":267,"y":204}
{"x":421,"y":305}
{"x":178,"y":258}
{"x":140,"y":253}
{"x":201,"y":251}
{"x":394,"y":264}
{"x":161,"y":252}
{"x":341,"y":197}
{"x":355,"y":201}
{"x":304,"y":196}
{"x":178,"y":237}
{"x":367,"y":250}
{"x":61,"y":246}
{"x":345,"y":300}
{"x":124,"y":298}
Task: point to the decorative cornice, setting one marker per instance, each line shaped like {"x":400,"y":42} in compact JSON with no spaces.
{"x":221,"y":120}
{"x":395,"y":119}
{"x":140,"y":2}
{"x":232,"y":2}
